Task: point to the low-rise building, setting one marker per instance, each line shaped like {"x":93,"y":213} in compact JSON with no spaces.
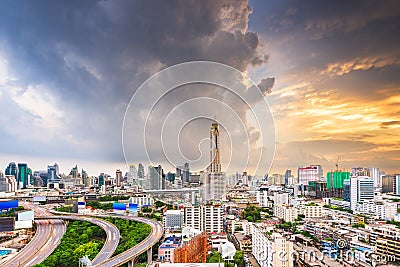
{"x":312,"y":211}
{"x":173,"y":219}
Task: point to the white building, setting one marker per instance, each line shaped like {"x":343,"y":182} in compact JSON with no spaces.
{"x":207,"y":218}
{"x":142,"y":200}
{"x":361,"y":189}
{"x":281,"y":198}
{"x":271,"y":249}
{"x":309,"y":173}
{"x":262,"y":196}
{"x":286,"y":213}
{"x":215,"y":187}
{"x":173,"y":219}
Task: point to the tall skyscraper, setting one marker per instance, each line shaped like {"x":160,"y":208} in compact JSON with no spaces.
{"x":23,"y":175}
{"x":215,"y":186}
{"x":215,"y":161}
{"x":396,"y":184}
{"x":12,"y":170}
{"x":85,"y":178}
{"x":157,"y":180}
{"x":288,"y":174}
{"x":140,"y":171}
{"x":309,"y":174}
{"x":53,"y":175}
{"x":361,"y":189}
{"x":118,"y":177}
{"x":74,"y":173}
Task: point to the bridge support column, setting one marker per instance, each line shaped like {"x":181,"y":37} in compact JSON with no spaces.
{"x":149,"y":255}
{"x":131,"y":263}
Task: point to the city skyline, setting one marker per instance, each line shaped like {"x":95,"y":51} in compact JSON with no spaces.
{"x":331,"y":69}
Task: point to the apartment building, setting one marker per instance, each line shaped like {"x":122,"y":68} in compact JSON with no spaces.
{"x":271,"y":249}
{"x":286,"y":213}
{"x":206,"y":218}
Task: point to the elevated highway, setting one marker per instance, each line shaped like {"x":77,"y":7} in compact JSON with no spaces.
{"x":112,"y":232}
{"x":47,"y":238}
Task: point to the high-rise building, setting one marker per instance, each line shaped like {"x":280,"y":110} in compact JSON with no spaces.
{"x":170,"y":177}
{"x":271,"y":249}
{"x":12,"y":170}
{"x":215,"y":184}
{"x":74,"y":173}
{"x":288,"y":174}
{"x":85,"y":178}
{"x":360,"y":171}
{"x":335,"y":179}
{"x":140,"y":171}
{"x":309,"y":174}
{"x":387,"y":183}
{"x":118,"y":177}
{"x":346,"y":190}
{"x":23,"y":175}
{"x":396,"y":184}
{"x":375,"y":174}
{"x":186,"y":173}
{"x":102,"y":178}
{"x":157,"y":180}
{"x":132,"y":174}
{"x":215,"y":161}
{"x":53,"y":175}
{"x":173,"y":219}
{"x":205,"y":218}
{"x":361,"y":189}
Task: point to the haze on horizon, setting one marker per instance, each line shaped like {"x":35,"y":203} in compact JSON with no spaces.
{"x":69,"y":68}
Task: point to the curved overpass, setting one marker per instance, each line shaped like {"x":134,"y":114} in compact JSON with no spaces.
{"x":129,"y":255}
{"x":112,"y":232}
{"x":146,"y":245}
{"x":47,"y":238}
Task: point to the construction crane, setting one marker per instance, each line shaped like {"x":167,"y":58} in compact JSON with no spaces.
{"x":337,"y":162}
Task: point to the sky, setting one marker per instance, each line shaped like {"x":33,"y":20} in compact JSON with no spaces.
{"x":68,"y":70}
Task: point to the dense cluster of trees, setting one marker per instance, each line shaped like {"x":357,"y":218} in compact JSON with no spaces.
{"x":132,"y":233}
{"x":113,"y":198}
{"x":11,"y":212}
{"x":100,"y":206}
{"x":81,"y":238}
{"x":338,"y":208}
{"x":358,"y":225}
{"x":64,"y":209}
{"x":252,"y":213}
{"x":238,"y":259}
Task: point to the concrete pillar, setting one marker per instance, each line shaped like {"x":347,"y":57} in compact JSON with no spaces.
{"x":131,"y":263}
{"x":149,"y":255}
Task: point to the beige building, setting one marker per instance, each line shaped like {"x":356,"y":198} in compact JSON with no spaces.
{"x":286,"y":213}
{"x":312,"y":211}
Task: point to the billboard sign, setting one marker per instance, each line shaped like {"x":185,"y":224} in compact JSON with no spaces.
{"x":133,"y":207}
{"x":118,"y":207}
{"x":39,"y":199}
{"x":7,"y":224}
{"x":23,"y":224}
{"x":8,"y":204}
{"x":26,"y":215}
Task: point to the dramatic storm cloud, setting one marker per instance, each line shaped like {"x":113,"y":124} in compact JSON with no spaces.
{"x":68,"y":69}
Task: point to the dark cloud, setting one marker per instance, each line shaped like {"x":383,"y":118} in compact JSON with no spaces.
{"x":266,"y":85}
{"x":90,"y":57}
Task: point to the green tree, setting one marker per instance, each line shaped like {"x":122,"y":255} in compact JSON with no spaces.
{"x":239,"y":258}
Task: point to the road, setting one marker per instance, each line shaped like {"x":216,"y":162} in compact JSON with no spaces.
{"x":47,"y":237}
{"x":112,"y":232}
{"x":155,"y":235}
